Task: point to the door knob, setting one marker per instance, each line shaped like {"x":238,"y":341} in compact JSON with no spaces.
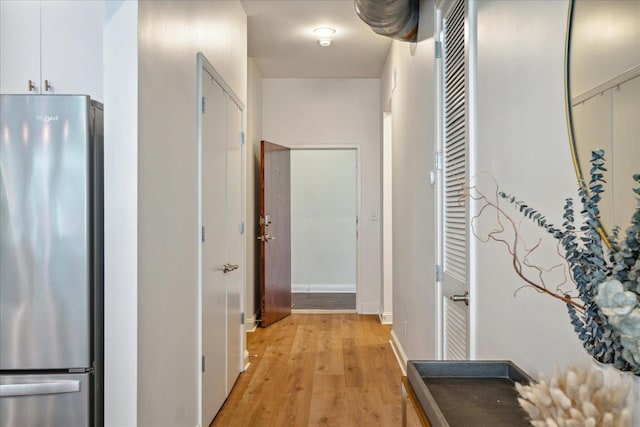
{"x":230,"y":267}
{"x":461,"y":298}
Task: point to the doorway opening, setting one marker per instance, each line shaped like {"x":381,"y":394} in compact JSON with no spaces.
{"x":324,"y":229}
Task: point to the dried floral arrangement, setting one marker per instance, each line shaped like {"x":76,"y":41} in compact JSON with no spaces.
{"x":604,"y":307}
{"x":579,"y":396}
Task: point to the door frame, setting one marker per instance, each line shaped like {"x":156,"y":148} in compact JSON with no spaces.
{"x":356,"y":147}
{"x":204,"y":66}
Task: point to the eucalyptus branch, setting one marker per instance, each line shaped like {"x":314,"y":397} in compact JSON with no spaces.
{"x":606,"y":307}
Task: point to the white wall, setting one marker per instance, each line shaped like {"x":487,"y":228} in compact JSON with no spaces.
{"x":163,"y":274}
{"x":413,"y":134}
{"x":323,"y":220}
{"x":121,"y":212}
{"x":521,"y":138}
{"x":336,"y":111}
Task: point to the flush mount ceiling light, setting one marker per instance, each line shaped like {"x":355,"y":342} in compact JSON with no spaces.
{"x":324,"y":32}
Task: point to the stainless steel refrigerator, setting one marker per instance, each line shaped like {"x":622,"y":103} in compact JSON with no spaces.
{"x":51,"y":261}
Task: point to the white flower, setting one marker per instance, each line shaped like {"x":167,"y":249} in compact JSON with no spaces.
{"x":614,"y":300}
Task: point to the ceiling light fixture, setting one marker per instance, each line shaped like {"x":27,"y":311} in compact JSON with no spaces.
{"x":324,"y":32}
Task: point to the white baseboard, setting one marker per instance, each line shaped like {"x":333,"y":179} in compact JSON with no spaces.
{"x":398,"y":351}
{"x":386,"y":318}
{"x":250,"y":324}
{"x":369,"y":309}
{"x":320,"y":288}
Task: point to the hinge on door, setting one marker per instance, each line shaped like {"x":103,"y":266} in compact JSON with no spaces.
{"x":242,"y":318}
{"x":438,"y":49}
{"x":242,"y":227}
{"x":357,"y":221}
{"x":204,"y":105}
{"x":438,"y":273}
{"x":439,"y":160}
{"x":241,"y":138}
{"x":202,"y":363}
{"x":202,"y":233}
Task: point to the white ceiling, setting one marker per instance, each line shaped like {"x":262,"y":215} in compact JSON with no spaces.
{"x":282,"y":43}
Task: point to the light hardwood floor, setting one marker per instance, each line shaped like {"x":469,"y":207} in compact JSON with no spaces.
{"x":317,"y":370}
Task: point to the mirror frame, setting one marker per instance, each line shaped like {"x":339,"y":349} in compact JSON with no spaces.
{"x":567,"y":96}
{"x":569,"y":116}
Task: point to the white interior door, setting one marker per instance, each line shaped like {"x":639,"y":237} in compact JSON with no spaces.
{"x":214,"y":248}
{"x":222,"y":216}
{"x":453,"y":215}
{"x":234,"y":242}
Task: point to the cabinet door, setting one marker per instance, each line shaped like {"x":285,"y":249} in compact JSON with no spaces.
{"x":72,"y":47}
{"x":19,"y":46}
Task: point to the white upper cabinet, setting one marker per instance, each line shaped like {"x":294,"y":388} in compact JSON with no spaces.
{"x":19,"y":46}
{"x":72,"y":46}
{"x":57,"y":45}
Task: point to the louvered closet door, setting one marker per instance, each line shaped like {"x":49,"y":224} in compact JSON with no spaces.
{"x":454,"y":244}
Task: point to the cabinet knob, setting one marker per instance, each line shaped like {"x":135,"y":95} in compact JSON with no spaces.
{"x":31,"y":86}
{"x":47,"y":86}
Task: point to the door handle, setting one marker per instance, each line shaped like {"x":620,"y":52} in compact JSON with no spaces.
{"x":65,"y":386}
{"x":266,"y":238}
{"x":461,"y":298}
{"x":230,"y":267}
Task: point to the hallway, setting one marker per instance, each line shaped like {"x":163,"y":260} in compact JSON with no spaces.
{"x":317,"y":369}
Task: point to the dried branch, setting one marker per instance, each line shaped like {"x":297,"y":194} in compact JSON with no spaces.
{"x":520,"y":263}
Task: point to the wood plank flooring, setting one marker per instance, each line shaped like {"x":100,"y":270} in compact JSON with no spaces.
{"x":317,"y":370}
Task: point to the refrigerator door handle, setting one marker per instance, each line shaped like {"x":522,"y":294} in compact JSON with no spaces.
{"x":64,"y":386}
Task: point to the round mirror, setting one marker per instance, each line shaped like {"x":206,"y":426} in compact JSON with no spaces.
{"x":603,"y":98}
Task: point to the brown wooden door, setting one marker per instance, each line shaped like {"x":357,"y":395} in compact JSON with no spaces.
{"x":275,"y":232}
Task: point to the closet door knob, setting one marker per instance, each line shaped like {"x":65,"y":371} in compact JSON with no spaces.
{"x":461,"y":298}
{"x":229,"y":267}
{"x":31,"y":86}
{"x":47,"y":86}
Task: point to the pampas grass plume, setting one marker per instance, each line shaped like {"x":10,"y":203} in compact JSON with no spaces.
{"x":579,"y":396}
